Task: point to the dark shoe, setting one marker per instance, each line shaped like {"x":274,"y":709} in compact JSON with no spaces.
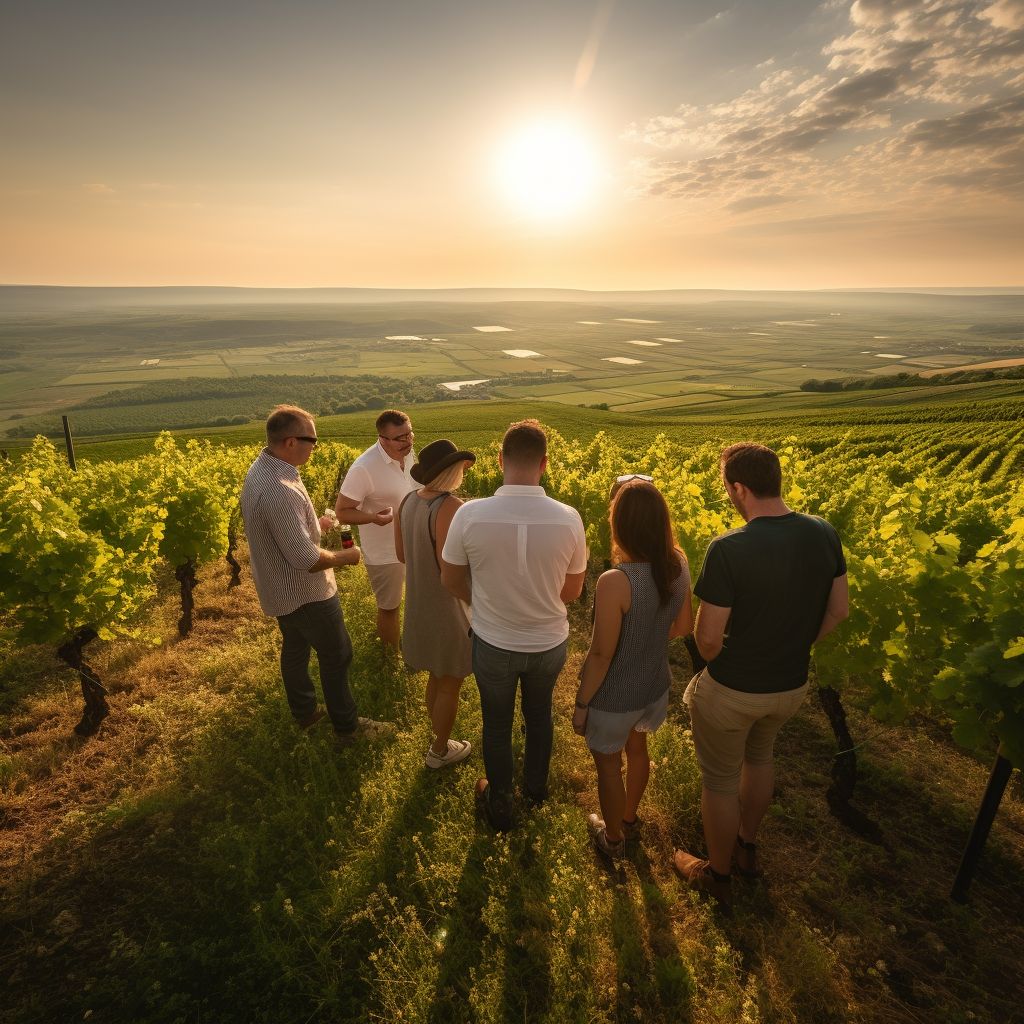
{"x":311,"y":719}
{"x":496,"y":810}
{"x":631,"y":830}
{"x":698,"y":875}
{"x":534,"y":800}
{"x":368,"y":728}
{"x":613,"y":850}
{"x":744,"y":859}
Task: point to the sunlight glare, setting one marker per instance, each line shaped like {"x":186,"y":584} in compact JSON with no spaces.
{"x":547,"y":170}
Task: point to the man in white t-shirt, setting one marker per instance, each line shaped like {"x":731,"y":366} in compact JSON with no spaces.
{"x":517,"y":558}
{"x":372,"y":490}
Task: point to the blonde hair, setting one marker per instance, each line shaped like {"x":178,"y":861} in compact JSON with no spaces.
{"x":449,"y":479}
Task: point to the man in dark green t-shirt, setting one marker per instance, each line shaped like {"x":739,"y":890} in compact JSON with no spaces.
{"x":768,"y":591}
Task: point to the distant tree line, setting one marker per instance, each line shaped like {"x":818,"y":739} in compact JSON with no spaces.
{"x":913,"y":380}
{"x":235,"y":401}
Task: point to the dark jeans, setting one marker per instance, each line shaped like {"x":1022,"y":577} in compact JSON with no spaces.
{"x":498,"y":673}
{"x":318,"y":626}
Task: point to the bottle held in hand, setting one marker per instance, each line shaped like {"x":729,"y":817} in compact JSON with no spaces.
{"x":346,"y":536}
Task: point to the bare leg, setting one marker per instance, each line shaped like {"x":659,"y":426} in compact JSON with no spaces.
{"x":757,"y":785}
{"x":444,"y":710}
{"x":388,"y":625}
{"x":721,"y":814}
{"x":431,"y":694}
{"x":610,"y":792}
{"x":638,"y":771}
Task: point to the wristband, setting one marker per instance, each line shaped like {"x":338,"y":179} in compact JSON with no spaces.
{"x":581,"y":705}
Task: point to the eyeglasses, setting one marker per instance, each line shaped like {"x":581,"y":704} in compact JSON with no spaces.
{"x":302,"y":437}
{"x":634,"y":476}
{"x":408,"y":436}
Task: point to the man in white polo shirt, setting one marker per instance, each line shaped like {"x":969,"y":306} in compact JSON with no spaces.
{"x":372,"y":489}
{"x":517,"y":558}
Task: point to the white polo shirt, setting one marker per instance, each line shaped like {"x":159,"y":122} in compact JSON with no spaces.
{"x":519,"y":546}
{"x":375,"y":481}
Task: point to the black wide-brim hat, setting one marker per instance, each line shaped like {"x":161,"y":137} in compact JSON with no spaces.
{"x":437,"y":457}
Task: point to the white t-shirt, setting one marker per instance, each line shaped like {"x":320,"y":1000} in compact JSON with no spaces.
{"x":519,"y":546}
{"x":376,"y":481}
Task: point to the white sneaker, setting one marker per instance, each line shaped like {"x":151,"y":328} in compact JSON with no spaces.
{"x":458,"y":750}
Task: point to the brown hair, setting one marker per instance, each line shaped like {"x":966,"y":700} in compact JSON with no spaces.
{"x":754,"y":466}
{"x":283,"y":420}
{"x":642,"y":529}
{"x":524,"y":442}
{"x":391,"y":417}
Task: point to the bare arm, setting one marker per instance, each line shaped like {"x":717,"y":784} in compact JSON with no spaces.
{"x":455,"y":579}
{"x":346,"y":510}
{"x":683,"y":622}
{"x":611,"y":602}
{"x":709,"y":632}
{"x":838,"y":607}
{"x":336,"y":559}
{"x":573,"y":586}
{"x":445,"y":514}
{"x":399,"y":543}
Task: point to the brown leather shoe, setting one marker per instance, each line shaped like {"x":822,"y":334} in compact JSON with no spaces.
{"x":310,"y":720}
{"x":697,"y":874}
{"x":744,"y":859}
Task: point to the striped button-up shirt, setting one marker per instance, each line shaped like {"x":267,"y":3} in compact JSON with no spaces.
{"x":284,"y":537}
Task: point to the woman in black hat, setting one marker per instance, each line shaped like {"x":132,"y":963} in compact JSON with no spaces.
{"x":435,"y":632}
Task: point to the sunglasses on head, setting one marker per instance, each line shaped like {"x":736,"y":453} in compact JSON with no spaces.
{"x":634,"y":476}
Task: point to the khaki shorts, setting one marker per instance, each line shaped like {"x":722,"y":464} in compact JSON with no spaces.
{"x":387,"y":581}
{"x":730,"y":727}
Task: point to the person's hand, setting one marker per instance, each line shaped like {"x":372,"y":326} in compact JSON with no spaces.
{"x":579,"y":721}
{"x":384,"y":516}
{"x":349,"y":556}
{"x":328,"y":523}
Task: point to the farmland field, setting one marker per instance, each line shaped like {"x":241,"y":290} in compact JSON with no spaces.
{"x":752,"y":350}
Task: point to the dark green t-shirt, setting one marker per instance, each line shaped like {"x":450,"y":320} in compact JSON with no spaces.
{"x":775,"y":574}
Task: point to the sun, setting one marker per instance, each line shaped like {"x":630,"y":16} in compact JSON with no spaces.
{"x":548,"y":170}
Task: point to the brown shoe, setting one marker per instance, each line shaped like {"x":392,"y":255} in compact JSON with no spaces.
{"x":744,"y":859}
{"x":697,"y":874}
{"x":367,"y":728}
{"x":310,"y":720}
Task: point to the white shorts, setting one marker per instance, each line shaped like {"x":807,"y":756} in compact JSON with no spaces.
{"x":607,"y":731}
{"x":387,"y":581}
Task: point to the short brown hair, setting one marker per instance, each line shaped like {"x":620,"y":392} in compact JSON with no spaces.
{"x":391,"y":417}
{"x":283,"y":420}
{"x":754,"y":466}
{"x":524,"y":442}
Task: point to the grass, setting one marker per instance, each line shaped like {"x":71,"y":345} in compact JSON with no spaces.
{"x":201,"y":861}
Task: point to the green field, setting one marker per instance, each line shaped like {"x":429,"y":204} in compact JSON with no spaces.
{"x":751,"y":350}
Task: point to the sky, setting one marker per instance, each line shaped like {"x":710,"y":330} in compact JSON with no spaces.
{"x":435,"y":143}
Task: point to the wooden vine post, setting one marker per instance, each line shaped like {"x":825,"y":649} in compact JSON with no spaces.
{"x":997,"y":780}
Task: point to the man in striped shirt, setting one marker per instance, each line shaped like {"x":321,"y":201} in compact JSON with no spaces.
{"x":294,"y":575}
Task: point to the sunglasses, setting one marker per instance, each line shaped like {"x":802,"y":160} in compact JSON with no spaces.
{"x":400,"y":437}
{"x":634,"y":476}
{"x":302,"y":437}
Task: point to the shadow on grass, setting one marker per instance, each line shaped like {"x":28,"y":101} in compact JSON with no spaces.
{"x":655,"y":983}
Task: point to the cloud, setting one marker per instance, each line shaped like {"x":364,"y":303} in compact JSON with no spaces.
{"x":916,"y":100}
{"x":97,"y":188}
{"x":749,"y":203}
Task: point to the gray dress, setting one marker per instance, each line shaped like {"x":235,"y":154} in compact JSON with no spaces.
{"x":435,"y":633}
